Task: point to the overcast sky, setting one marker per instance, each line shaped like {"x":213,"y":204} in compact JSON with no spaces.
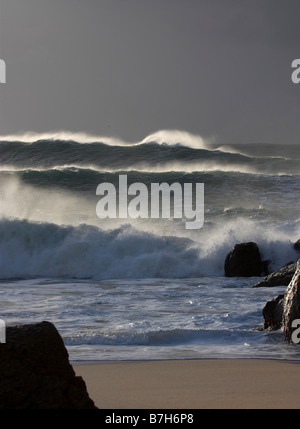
{"x":127,"y":68}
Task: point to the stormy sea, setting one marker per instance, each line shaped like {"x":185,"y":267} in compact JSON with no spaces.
{"x":142,"y":287}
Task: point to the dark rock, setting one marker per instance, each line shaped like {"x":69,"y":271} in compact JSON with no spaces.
{"x":291,"y":304}
{"x":297,"y":245}
{"x":281,"y":277}
{"x":35,"y":372}
{"x":243,"y":261}
{"x":272,"y":313}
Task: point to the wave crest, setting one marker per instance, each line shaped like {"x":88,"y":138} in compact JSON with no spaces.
{"x":169,"y":137}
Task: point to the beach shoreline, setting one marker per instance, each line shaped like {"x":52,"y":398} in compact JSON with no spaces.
{"x":230,"y":383}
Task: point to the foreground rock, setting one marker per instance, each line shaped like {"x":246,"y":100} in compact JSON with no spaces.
{"x":272,"y":313}
{"x":243,"y":261}
{"x":291,"y":304}
{"x":281,"y":277}
{"x":35,"y":372}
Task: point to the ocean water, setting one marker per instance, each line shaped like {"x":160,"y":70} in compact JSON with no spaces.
{"x":122,"y":289}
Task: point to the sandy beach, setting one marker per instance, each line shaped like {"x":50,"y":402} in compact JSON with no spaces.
{"x":193,"y":384}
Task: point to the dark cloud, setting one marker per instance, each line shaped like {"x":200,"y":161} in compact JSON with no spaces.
{"x":130,"y":67}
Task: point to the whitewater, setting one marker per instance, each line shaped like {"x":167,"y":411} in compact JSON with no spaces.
{"x":144,"y":288}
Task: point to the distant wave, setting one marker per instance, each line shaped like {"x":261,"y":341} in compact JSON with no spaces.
{"x":169,"y":137}
{"x":148,"y":155}
{"x":76,"y":178}
{"x":79,"y":137}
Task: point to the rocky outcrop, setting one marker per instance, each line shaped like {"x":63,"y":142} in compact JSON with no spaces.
{"x":35,"y":372}
{"x":281,"y":277}
{"x":291,"y":304}
{"x":272,"y":313}
{"x":282,"y":311}
{"x":297,"y":245}
{"x":243,"y":261}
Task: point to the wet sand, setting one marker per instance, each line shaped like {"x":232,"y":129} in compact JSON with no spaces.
{"x":193,"y":384}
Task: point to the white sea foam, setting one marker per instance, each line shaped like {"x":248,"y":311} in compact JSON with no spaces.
{"x":172,"y":137}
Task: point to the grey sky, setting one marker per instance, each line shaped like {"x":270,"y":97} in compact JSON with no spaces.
{"x":218,"y":68}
